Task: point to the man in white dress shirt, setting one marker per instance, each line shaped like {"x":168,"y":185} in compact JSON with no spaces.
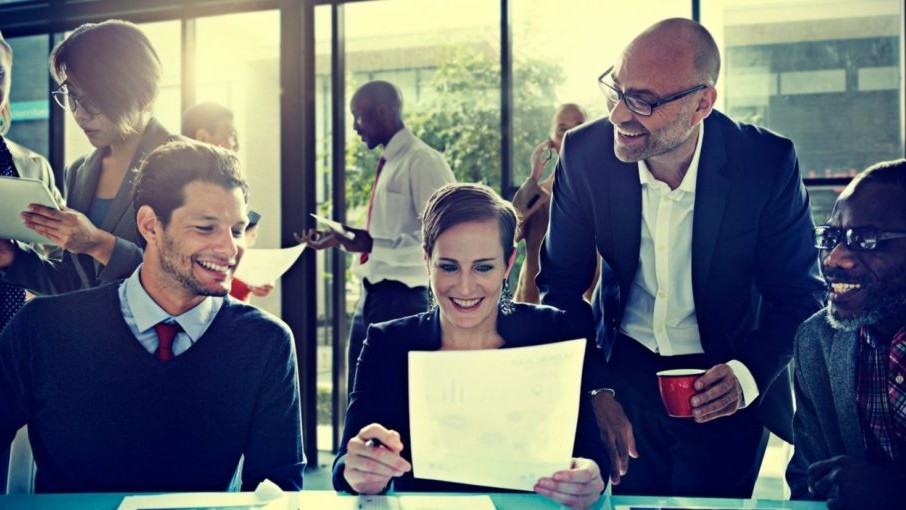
{"x":704,"y":229}
{"x":390,"y":262}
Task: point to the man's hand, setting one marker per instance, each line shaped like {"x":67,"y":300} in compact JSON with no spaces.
{"x":616,"y":433}
{"x":373,"y":458}
{"x":319,"y":240}
{"x":719,"y":394}
{"x":71,"y":230}
{"x":578,"y":487}
{"x":848,"y":483}
{"x":7,"y":253}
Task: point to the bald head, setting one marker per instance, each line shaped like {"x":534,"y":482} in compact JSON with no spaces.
{"x":678,"y":41}
{"x":380,"y":93}
{"x":377,"y":112}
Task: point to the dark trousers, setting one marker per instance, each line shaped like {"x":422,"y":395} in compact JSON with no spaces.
{"x":677,"y":456}
{"x":380,"y":302}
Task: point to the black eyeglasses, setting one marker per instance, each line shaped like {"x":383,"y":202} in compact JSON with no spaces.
{"x":858,"y":238}
{"x":69,"y":101}
{"x":636,"y":104}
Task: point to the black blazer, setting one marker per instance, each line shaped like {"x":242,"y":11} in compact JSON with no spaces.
{"x":381,"y":392}
{"x":80,"y":271}
{"x":754,"y":265}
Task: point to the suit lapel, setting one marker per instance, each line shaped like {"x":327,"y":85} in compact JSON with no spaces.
{"x":842,"y":371}
{"x":625,"y":203}
{"x":84,"y":183}
{"x":711,"y":192}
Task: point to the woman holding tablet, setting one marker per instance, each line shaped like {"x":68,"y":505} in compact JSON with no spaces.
{"x":468,"y":233}
{"x":109,"y":76}
{"x":16,"y":161}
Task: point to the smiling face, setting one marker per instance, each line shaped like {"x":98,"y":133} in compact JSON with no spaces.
{"x":660,"y":63}
{"x":6,"y":63}
{"x":466,"y":271}
{"x":867,"y":287}
{"x":196,"y":254}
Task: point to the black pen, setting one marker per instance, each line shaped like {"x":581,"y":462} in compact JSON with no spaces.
{"x":373,"y":443}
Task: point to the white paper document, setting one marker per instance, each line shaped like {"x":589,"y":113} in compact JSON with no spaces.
{"x":499,"y":417}
{"x":423,"y":502}
{"x":266,"y":497}
{"x":264,"y":266}
{"x":333,"y":226}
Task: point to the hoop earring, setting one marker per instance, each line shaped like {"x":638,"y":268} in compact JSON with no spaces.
{"x":506,"y":299}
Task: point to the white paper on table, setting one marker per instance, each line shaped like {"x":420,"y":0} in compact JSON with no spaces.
{"x":264,"y":266}
{"x":429,"y":502}
{"x":266,"y":497}
{"x":499,"y":417}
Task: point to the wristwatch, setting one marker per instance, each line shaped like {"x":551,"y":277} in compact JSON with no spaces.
{"x":594,"y":393}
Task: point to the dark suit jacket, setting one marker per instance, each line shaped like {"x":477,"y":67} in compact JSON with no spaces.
{"x":754,"y":267}
{"x":72,"y":271}
{"x":827,"y":420}
{"x":381,"y":393}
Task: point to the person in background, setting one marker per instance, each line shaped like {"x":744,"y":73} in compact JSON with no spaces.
{"x":389,"y":247}
{"x":16,"y":161}
{"x":532,"y":202}
{"x":703,"y":225}
{"x":211,"y":122}
{"x":109,"y":76}
{"x":850,"y":358}
{"x":157,"y":383}
{"x":468,"y":237}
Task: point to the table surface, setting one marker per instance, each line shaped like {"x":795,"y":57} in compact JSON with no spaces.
{"x":329,"y":500}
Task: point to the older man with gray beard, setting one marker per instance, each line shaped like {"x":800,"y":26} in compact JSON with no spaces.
{"x":850,"y":358}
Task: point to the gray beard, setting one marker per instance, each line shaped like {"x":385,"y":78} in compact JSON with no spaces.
{"x":888,"y":306}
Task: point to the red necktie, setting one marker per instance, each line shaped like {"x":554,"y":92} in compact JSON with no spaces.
{"x":166,"y":332}
{"x":377,"y":175}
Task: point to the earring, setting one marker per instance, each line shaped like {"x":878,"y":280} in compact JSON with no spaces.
{"x":506,"y":298}
{"x":432,"y":304}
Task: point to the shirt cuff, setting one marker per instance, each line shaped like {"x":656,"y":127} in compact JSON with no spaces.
{"x":746,"y":382}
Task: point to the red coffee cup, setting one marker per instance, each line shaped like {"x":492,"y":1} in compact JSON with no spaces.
{"x":676,"y":390}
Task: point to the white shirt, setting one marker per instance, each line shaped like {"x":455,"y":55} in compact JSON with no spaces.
{"x":141,"y":313}
{"x":411,"y":173}
{"x":660,"y":308}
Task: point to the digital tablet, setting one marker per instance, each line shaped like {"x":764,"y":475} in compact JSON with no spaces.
{"x":15,"y":195}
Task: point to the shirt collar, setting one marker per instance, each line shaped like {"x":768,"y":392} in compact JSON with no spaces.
{"x":398,"y":144}
{"x":147,"y":312}
{"x":690,"y":179}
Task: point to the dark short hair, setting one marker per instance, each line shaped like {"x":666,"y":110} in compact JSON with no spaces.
{"x":206,"y":115}
{"x":458,"y":203}
{"x":165,"y":172}
{"x":114,"y":64}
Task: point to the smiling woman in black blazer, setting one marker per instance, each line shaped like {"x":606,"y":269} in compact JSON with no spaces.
{"x":468,"y":239}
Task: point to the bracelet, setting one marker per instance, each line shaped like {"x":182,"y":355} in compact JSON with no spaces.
{"x":598,"y":391}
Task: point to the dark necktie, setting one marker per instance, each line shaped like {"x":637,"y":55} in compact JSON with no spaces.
{"x":166,"y":332}
{"x":377,"y":175}
{"x":12,"y":298}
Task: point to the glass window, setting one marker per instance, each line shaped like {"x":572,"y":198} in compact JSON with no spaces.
{"x":243,"y":74}
{"x":558,"y":52}
{"x":165,"y":38}
{"x":828,"y":76}
{"x":29,"y":99}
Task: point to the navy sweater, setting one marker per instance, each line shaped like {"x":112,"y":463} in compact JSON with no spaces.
{"x":105,"y":416}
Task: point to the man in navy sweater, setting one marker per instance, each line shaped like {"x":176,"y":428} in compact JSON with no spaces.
{"x":159,"y":382}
